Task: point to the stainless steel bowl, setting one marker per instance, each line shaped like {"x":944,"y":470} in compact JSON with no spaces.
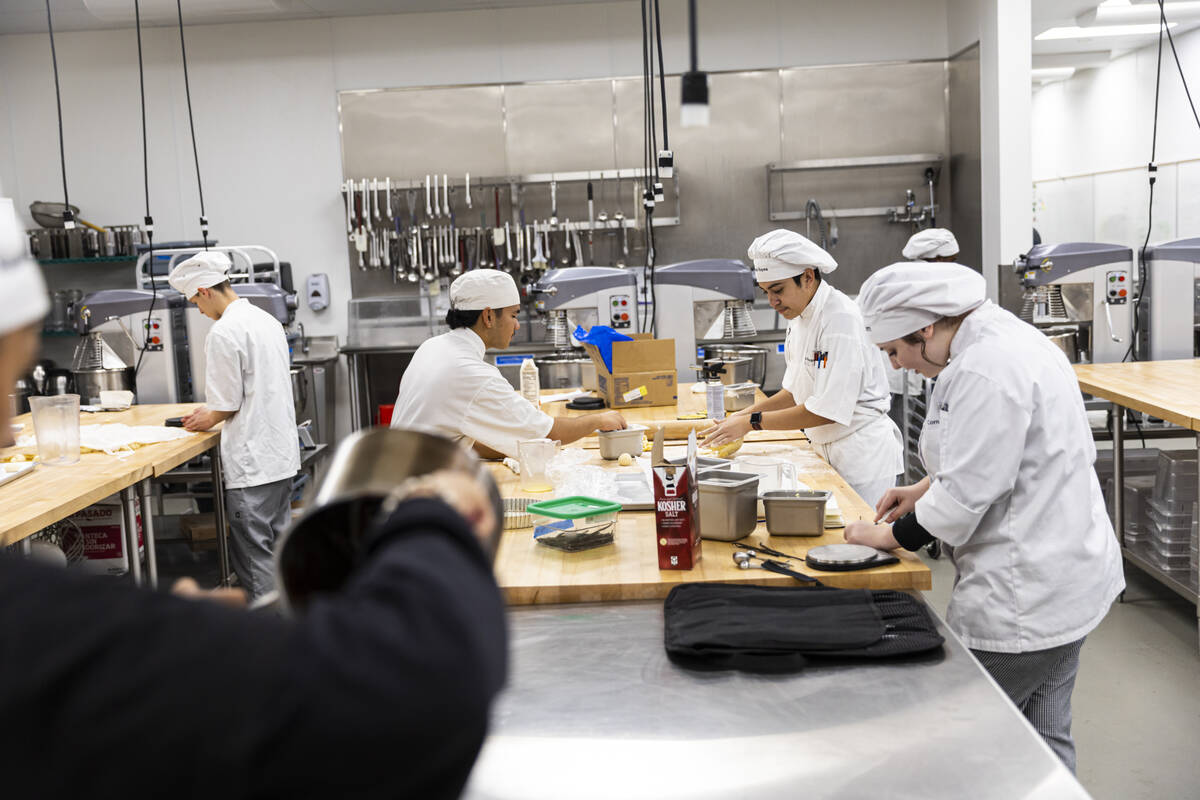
{"x":321,"y":549}
{"x":1065,"y":339}
{"x":89,"y":383}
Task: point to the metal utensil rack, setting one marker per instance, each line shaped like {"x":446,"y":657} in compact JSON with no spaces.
{"x":894,"y":213}
{"x":389,"y":228}
{"x":510,"y":182}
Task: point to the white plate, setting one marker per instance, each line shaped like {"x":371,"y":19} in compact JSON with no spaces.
{"x":24,"y":468}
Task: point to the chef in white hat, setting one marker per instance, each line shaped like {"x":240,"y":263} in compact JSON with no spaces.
{"x":451,"y":389}
{"x":931,"y":244}
{"x":248,"y":387}
{"x":1011,"y":492}
{"x":834,"y":387}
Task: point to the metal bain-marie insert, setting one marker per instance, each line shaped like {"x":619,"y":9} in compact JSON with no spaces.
{"x":793,"y":512}
{"x":728,"y":504}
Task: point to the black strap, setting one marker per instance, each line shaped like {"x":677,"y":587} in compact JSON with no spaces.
{"x":783,"y":569}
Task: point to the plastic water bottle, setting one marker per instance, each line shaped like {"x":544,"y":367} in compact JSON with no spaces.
{"x":531,"y":385}
{"x":714,"y":395}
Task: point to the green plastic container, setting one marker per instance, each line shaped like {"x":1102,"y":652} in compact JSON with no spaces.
{"x":574,"y":523}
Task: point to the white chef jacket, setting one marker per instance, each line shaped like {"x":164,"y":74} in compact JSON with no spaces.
{"x":449,"y":389}
{"x":835,"y":371}
{"x":247,"y":371}
{"x":1013,"y":493}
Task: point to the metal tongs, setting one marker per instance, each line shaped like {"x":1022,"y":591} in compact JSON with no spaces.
{"x":762,"y":548}
{"x":745,"y":560}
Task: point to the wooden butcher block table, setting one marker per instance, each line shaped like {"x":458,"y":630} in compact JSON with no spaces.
{"x":530,"y":573}
{"x":667,"y":417}
{"x":51,"y":493}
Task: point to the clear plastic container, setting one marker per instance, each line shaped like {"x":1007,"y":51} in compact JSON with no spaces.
{"x":574,"y":523}
{"x":1164,"y":530}
{"x":1163,"y":515}
{"x":56,"y":427}
{"x":1175,"y":484}
{"x":1173,"y":546}
{"x":1167,"y":561}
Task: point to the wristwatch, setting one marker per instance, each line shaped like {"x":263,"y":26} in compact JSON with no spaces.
{"x":756,"y":420}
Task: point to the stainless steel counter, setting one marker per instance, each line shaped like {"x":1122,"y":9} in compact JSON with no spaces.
{"x":595,"y":709}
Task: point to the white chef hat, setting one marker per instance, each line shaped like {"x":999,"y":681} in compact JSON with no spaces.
{"x":201,"y":271}
{"x":906,"y":296}
{"x":483,"y":288}
{"x":784,"y":254}
{"x":25,"y":299}
{"x":930,"y":243}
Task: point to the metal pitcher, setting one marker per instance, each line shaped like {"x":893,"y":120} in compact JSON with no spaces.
{"x":320,"y":551}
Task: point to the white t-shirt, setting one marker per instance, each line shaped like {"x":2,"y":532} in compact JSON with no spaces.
{"x":448,"y":388}
{"x":247,"y":371}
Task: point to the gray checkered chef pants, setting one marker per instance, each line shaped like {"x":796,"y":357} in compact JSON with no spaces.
{"x":1040,"y":684}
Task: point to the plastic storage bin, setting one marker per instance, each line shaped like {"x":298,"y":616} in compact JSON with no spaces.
{"x":1175,"y":483}
{"x":574,"y":523}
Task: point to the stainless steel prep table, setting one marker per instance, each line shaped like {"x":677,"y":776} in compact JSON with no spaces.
{"x":611,"y":717}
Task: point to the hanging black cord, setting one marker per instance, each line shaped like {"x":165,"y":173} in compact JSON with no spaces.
{"x":68,"y":215}
{"x":662,"y":75}
{"x":653,"y":150}
{"x":149,"y":220}
{"x":187,"y":89}
{"x":692,"y":33}
{"x":1163,"y":26}
{"x":1152,"y":169}
{"x":647,"y":124}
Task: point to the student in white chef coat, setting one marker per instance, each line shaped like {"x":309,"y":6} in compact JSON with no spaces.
{"x":834,"y":387}
{"x":449,"y":388}
{"x":249,"y":388}
{"x":1011,"y":490}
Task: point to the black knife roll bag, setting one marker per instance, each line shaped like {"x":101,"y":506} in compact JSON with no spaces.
{"x":775,"y":628}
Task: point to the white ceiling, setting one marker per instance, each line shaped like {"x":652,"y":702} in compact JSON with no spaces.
{"x":29,"y":16}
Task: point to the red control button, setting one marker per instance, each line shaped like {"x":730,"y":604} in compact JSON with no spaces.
{"x":1121,"y":278}
{"x":624,"y":302}
{"x":624,"y":317}
{"x":1122,"y":293}
{"x":155,"y":340}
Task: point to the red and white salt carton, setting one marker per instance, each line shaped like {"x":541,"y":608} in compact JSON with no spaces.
{"x":676,"y":509}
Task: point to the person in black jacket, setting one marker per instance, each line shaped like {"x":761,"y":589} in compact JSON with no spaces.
{"x":382,"y":690}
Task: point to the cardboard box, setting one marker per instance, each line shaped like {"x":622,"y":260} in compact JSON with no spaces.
{"x":646,"y":364}
{"x":200,"y":531}
{"x":103,"y":529}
